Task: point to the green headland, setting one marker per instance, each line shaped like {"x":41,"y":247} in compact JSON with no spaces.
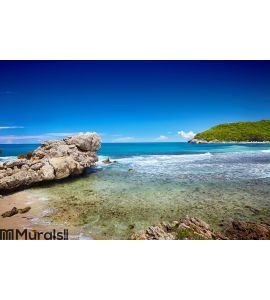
{"x":237,"y":132}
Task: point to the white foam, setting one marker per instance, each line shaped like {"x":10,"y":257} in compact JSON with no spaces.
{"x":6,"y":158}
{"x":229,"y":165}
{"x":169,"y":159}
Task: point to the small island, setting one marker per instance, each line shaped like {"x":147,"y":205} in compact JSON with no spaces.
{"x":239,"y":132}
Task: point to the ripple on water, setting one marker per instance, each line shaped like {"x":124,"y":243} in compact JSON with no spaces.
{"x":112,"y":202}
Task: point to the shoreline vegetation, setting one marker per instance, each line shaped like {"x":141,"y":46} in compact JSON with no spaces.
{"x":235,"y":133}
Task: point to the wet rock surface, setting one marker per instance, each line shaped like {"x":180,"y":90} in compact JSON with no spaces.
{"x":53,"y":160}
{"x":15,"y":211}
{"x":188,"y":228}
{"x":196,"y":229}
{"x":247,"y":231}
{"x":10,"y":213}
{"x":107,"y":161}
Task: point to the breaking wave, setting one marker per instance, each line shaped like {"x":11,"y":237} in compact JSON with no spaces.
{"x":7,"y":158}
{"x":206,"y":166}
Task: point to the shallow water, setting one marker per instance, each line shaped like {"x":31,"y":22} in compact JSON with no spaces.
{"x":113,"y":201}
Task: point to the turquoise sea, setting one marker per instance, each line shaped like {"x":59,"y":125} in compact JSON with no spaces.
{"x":135,"y":149}
{"x":154,"y":182}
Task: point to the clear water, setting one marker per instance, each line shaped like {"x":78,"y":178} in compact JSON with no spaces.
{"x":153,"y":182}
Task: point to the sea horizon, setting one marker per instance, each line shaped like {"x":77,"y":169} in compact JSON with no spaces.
{"x":115,"y":150}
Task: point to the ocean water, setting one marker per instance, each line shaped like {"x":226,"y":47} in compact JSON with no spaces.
{"x":154,"y":182}
{"x":11,"y":151}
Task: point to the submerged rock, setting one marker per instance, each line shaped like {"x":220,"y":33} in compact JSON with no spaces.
{"x":53,"y":160}
{"x":107,"y":161}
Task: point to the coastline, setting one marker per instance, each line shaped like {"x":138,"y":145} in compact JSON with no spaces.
{"x":114,"y":201}
{"x":38,"y":218}
{"x":197,"y":141}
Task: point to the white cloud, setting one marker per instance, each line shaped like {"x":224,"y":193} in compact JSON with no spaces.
{"x":10,"y":139}
{"x":60,"y":134}
{"x":186,"y":135}
{"x":162,"y":138}
{"x":123,"y":139}
{"x":10,"y":127}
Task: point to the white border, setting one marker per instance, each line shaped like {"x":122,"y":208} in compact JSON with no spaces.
{"x":135,"y":270}
{"x":141,"y":29}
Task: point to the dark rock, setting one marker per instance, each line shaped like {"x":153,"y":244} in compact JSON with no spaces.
{"x":131,"y":226}
{"x":239,"y":230}
{"x":195,"y":229}
{"x":24,"y":210}
{"x":107,"y":161}
{"x":10,"y":213}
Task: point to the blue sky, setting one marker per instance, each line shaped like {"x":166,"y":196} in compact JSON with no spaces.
{"x":132,"y":101}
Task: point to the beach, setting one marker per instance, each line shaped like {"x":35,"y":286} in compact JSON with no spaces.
{"x":149,"y":183}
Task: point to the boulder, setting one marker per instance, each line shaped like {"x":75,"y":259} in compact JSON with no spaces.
{"x":239,"y":230}
{"x":15,"y":211}
{"x":195,"y":229}
{"x":187,"y":229}
{"x":24,"y":210}
{"x":53,"y":160}
{"x":10,"y":213}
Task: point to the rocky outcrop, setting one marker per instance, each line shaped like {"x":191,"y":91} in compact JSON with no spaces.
{"x":239,"y":230}
{"x":195,"y":229}
{"x":186,"y":229}
{"x":15,"y":211}
{"x":201,"y":141}
{"x":196,"y":141}
{"x":53,"y":160}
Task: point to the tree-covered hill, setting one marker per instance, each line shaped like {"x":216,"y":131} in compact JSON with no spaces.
{"x":238,"y":132}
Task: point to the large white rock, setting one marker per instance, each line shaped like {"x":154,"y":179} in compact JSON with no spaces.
{"x":53,"y":160}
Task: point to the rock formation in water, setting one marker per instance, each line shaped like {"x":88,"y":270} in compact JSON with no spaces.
{"x":53,"y":160}
{"x":239,"y":230}
{"x":189,"y":228}
{"x":195,"y":229}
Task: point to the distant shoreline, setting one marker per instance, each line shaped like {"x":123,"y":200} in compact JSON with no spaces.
{"x":195,"y":141}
